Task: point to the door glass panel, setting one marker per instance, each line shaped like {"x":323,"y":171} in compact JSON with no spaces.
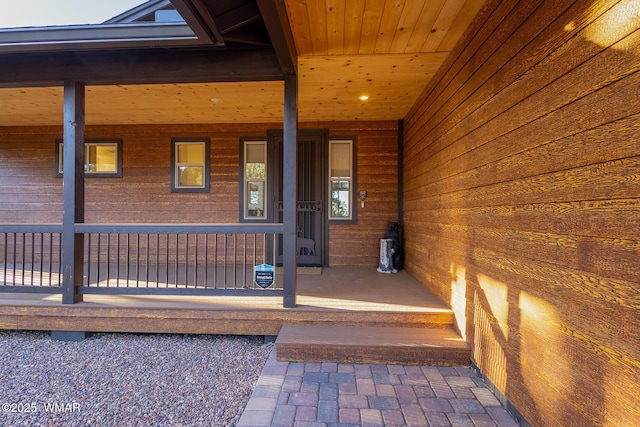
{"x":255,"y":199}
{"x":255,"y":171}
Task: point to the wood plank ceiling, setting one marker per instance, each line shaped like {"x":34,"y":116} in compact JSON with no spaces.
{"x":385,"y":49}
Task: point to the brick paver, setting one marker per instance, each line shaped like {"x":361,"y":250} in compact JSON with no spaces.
{"x":342,"y":394}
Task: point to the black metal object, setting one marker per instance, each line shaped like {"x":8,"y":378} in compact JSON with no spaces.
{"x":311,"y":191}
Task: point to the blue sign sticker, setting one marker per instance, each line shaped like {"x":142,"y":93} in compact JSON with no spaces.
{"x":263,"y":275}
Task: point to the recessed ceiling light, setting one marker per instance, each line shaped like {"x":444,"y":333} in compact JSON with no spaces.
{"x":363,"y":97}
{"x":216,"y":100}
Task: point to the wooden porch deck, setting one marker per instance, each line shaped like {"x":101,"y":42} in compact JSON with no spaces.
{"x":338,"y":296}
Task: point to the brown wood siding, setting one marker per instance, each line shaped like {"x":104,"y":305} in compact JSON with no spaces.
{"x":30,"y":192}
{"x":522,"y":208}
{"x":377,"y":164}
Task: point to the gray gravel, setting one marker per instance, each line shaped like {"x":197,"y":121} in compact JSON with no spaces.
{"x":127,"y":379}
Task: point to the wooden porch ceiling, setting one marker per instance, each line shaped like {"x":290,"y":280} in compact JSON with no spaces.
{"x":385,"y":49}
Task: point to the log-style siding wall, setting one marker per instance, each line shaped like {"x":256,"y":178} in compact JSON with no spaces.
{"x":522,"y":204}
{"x":30,"y":192}
{"x":377,"y":146}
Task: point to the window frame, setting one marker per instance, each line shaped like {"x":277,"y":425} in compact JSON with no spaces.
{"x":100,"y":141}
{"x":268,"y":180}
{"x":353,"y":212}
{"x":205,"y":188}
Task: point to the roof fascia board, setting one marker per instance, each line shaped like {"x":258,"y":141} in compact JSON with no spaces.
{"x":139,"y":66}
{"x":103,"y":36}
{"x":274,"y":15}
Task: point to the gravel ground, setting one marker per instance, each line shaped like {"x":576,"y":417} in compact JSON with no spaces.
{"x":127,"y":379}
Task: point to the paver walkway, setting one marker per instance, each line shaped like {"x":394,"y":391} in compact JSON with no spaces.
{"x":336,"y":394}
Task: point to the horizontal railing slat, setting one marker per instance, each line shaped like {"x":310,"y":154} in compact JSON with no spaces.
{"x":32,"y":289}
{"x":145,"y":228}
{"x":181,"y":291}
{"x":30,"y":228}
{"x":176,"y":228}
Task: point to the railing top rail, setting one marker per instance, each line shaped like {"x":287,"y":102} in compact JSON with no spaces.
{"x":142,"y":228}
{"x":31,"y":228}
{"x":177,"y":228}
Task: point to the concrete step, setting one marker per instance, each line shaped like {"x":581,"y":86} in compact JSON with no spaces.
{"x":368,"y":344}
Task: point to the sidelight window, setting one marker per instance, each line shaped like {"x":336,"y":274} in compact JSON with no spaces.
{"x":255,"y":180}
{"x":341,"y":179}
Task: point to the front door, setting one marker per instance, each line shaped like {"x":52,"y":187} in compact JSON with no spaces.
{"x":311,"y":192}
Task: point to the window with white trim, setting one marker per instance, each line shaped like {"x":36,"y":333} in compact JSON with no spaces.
{"x":190,"y":165}
{"x":341,"y":179}
{"x":255,"y":180}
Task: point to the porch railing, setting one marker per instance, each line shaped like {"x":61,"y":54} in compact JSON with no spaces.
{"x":30,"y":257}
{"x":160,"y":259}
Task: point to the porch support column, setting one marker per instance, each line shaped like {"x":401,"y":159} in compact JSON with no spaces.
{"x":290,"y":202}
{"x":73,"y":190}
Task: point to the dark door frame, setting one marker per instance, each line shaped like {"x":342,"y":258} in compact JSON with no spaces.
{"x":273,"y":135}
